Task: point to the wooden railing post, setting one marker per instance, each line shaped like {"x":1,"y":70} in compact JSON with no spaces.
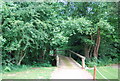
{"x":57,"y":57}
{"x":70,"y":55}
{"x":94,"y":76}
{"x":83,"y":63}
{"x":82,"y":57}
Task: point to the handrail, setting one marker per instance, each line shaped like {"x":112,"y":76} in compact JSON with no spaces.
{"x":74,"y":53}
{"x":83,"y":58}
{"x":77,"y":54}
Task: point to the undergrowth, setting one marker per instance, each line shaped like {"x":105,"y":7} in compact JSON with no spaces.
{"x":101,"y":61}
{"x":17,"y":68}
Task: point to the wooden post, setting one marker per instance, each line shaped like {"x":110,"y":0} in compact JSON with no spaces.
{"x":70,"y":55}
{"x":83,"y":58}
{"x":94,"y":76}
{"x":83,"y":63}
{"x":57,"y":59}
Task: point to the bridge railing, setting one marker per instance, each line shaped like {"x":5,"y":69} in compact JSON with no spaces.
{"x":72,"y":52}
{"x":82,"y":57}
{"x":57,"y":60}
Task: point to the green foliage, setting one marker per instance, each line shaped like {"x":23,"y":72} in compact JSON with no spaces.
{"x":92,"y":62}
{"x":14,"y":68}
{"x":8,"y":69}
{"x":101,"y":61}
{"x":79,"y":25}
{"x":24,"y":29}
{"x":2,"y":41}
{"x":35,"y":29}
{"x":43,"y":64}
{"x":105,"y":27}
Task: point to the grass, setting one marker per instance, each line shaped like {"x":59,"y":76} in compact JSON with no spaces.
{"x":30,"y":73}
{"x":107,"y":71}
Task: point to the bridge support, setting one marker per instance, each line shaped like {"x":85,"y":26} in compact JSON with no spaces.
{"x":57,"y":60}
{"x":70,"y":55}
{"x":83,"y":63}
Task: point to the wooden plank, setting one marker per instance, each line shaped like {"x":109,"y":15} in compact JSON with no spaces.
{"x":77,"y":54}
{"x":83,"y":58}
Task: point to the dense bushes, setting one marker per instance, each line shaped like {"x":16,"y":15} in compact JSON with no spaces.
{"x":27,"y":34}
{"x":31,"y":31}
{"x":101,"y":61}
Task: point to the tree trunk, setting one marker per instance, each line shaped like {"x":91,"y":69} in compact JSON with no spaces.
{"x":91,"y":50}
{"x":86,"y":51}
{"x":43,"y":53}
{"x":21,"y":57}
{"x":96,"y":48}
{"x":54,"y":52}
{"x":47,"y":51}
{"x":17,"y":57}
{"x":19,"y":63}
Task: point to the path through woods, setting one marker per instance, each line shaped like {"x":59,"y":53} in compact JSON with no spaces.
{"x":68,"y":69}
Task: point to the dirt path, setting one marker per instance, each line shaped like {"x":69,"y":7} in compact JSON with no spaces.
{"x":69,"y":70}
{"x":115,"y":66}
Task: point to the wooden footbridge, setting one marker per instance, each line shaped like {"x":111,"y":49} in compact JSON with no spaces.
{"x":68,"y":68}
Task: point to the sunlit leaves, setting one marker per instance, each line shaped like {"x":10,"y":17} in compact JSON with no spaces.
{"x":59,"y":39}
{"x":2,"y":40}
{"x":105,"y":27}
{"x":80,"y":25}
